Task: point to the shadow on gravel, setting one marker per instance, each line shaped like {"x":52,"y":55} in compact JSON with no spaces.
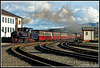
{"x":79,"y":58}
{"x":10,"y":52}
{"x":49,"y":52}
{"x":37,"y":52}
{"x":41,"y":51}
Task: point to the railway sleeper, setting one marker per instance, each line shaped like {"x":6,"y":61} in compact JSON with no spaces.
{"x":31,"y":61}
{"x":80,"y":45}
{"x":53,"y":63}
{"x":79,"y":50}
{"x":77,"y":55}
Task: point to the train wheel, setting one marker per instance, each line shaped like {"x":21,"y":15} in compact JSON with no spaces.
{"x":25,"y":41}
{"x":19,"y":41}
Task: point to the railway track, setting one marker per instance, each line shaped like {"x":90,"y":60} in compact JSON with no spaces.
{"x":33,"y":59}
{"x":91,"y":46}
{"x":46,"y":48}
{"x":65,"y":45}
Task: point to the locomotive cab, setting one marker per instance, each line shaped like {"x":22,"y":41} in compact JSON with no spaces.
{"x":21,"y":35}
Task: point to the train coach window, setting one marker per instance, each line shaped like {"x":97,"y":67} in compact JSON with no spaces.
{"x":50,"y":34}
{"x":30,"y":30}
{"x":26,"y":29}
{"x":41,"y":33}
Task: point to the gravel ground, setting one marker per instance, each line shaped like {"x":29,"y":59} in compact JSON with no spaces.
{"x":62,"y":59}
{"x":91,"y":44}
{"x":8,"y":60}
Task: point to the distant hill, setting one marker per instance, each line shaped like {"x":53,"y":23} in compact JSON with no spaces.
{"x":71,"y":30}
{"x":94,"y":24}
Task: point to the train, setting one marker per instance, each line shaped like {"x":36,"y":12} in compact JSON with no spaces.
{"x":29,"y":35}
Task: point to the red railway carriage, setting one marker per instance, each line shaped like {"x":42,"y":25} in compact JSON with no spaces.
{"x":73,"y":36}
{"x":40,"y":35}
{"x":63,"y":35}
{"x":56,"y":35}
{"x":68,"y":36}
{"x":48,"y":35}
{"x":78,"y":35}
{"x":43,"y":35}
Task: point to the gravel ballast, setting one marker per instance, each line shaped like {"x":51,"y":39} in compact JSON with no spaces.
{"x":62,"y":59}
{"x":8,"y":60}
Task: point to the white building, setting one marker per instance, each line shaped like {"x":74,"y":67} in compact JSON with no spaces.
{"x":88,"y":33}
{"x":9,"y":23}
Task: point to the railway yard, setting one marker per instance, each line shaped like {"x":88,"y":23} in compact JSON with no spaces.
{"x":57,"y":53}
{"x":52,"y":35}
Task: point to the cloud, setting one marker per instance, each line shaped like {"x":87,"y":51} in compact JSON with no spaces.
{"x":7,"y":7}
{"x":76,"y":10}
{"x":27,"y":20}
{"x":86,"y":15}
{"x":43,"y":11}
{"x":29,"y":9}
{"x":64,"y":14}
{"x":30,"y":6}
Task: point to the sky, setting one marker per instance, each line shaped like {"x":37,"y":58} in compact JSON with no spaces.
{"x":53,"y":14}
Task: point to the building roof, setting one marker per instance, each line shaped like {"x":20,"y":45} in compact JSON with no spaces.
{"x":88,"y":28}
{"x":4,"y":12}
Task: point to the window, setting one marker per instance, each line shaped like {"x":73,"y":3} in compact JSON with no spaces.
{"x":5,"y":29}
{"x":13,"y":21}
{"x":26,"y":29}
{"x":2,"y":29}
{"x":19,"y":22}
{"x":86,"y":33}
{"x":5,"y":20}
{"x":13,"y":29}
{"x":8,"y":20}
{"x":8,"y":29}
{"x":2,"y":19}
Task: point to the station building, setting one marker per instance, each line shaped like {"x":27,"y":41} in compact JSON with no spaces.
{"x":89,"y":33}
{"x":9,"y":23}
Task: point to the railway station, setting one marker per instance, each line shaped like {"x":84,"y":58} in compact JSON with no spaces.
{"x":27,"y":47}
